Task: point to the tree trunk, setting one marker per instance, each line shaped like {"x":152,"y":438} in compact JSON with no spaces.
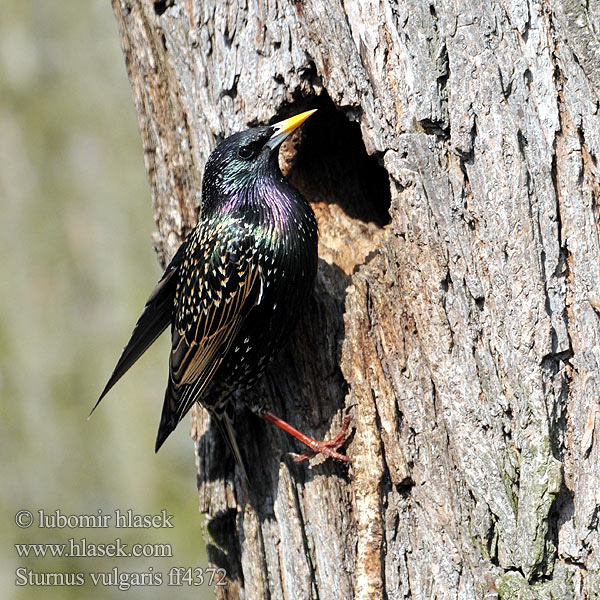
{"x":453,"y":169}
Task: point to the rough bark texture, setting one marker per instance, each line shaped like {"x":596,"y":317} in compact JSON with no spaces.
{"x":458,"y":298}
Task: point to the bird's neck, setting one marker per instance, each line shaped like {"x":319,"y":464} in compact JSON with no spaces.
{"x":267,"y":201}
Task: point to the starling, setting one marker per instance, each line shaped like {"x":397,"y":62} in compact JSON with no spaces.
{"x":234,"y":290}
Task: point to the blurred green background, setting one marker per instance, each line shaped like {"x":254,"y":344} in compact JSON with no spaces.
{"x":77,"y":267}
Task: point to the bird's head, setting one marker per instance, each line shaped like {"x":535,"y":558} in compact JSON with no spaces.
{"x":244,"y":158}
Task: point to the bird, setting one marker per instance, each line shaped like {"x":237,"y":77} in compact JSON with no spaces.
{"x":234,"y":290}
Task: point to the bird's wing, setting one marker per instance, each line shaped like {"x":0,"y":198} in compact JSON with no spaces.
{"x":155,"y":317}
{"x":219,"y":284}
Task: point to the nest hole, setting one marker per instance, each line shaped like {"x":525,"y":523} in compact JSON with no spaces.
{"x":348,"y":189}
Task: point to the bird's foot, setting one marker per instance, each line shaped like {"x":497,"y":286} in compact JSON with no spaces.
{"x":326,"y":447}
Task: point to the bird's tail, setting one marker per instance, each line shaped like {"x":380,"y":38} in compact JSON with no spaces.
{"x":176,"y":406}
{"x":225,"y":423}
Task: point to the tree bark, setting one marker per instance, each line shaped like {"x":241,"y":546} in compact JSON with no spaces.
{"x":453,"y":169}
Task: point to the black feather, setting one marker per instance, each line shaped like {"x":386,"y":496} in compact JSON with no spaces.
{"x":155,"y":318}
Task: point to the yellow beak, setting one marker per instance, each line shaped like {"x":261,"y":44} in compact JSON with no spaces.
{"x":285,"y":127}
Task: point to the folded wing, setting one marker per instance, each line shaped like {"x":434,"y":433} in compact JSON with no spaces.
{"x":155,"y":318}
{"x":220,"y":282}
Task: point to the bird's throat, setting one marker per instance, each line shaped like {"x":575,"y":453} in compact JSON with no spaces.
{"x":265,"y":202}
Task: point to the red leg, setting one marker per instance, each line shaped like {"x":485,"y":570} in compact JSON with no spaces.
{"x":327,"y":447}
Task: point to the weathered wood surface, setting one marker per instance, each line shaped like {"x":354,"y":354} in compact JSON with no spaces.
{"x":464,"y":333}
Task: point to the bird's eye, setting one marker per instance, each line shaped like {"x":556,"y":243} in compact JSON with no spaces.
{"x":246,"y":152}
